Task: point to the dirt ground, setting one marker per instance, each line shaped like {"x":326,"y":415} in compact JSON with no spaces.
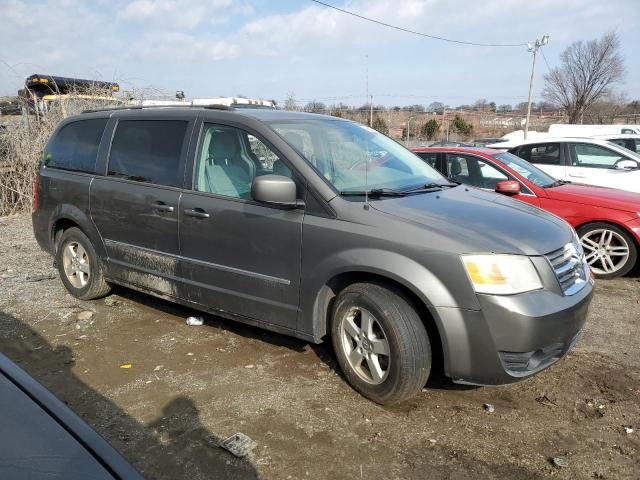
{"x":189,"y":386}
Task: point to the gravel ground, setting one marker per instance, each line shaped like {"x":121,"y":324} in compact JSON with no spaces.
{"x":190,"y":386}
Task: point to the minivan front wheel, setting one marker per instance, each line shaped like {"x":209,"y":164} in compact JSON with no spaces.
{"x":79,"y":267}
{"x":380,"y":342}
{"x":608,"y":249}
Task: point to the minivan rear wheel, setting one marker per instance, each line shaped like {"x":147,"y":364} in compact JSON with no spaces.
{"x":380,"y":342}
{"x":79,"y":267}
{"x":608,"y":249}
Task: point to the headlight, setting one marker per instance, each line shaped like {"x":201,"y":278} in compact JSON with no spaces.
{"x":501,"y":274}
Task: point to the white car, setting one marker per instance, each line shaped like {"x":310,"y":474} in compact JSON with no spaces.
{"x":580,"y":160}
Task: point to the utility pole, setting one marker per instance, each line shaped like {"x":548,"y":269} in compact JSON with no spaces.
{"x":366,"y":76}
{"x":371,"y":112}
{"x":534,"y":49}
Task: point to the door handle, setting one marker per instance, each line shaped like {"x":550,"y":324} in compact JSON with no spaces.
{"x":196,"y":213}
{"x":163,"y":207}
{"x":577,"y":175}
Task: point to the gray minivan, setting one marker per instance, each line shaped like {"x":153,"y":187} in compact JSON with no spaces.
{"x":314,"y":227}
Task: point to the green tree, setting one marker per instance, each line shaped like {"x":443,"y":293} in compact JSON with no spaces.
{"x":429,"y":129}
{"x":380,"y":124}
{"x":461,"y":126}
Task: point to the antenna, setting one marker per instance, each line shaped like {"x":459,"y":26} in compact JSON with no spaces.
{"x":366,"y":183}
{"x":366,"y":76}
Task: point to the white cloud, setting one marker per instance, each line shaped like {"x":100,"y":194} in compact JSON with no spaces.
{"x":172,"y":46}
{"x":183,"y":14}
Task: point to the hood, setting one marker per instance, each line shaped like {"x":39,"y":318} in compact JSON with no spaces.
{"x":469,"y":220}
{"x":597,"y":196}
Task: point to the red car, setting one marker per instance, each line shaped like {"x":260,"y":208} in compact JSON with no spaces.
{"x":607,"y":220}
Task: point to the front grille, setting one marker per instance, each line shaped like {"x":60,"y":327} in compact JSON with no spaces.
{"x":570,"y":267}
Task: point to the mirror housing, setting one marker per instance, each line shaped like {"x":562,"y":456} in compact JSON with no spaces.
{"x":626,"y":165}
{"x":275,"y":190}
{"x":508,"y":187}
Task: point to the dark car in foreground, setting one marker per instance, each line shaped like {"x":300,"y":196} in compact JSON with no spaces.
{"x":315,"y":227}
{"x":607,"y":220}
{"x":41,"y":438}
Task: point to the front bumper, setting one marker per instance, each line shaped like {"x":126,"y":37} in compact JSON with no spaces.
{"x":511,"y":337}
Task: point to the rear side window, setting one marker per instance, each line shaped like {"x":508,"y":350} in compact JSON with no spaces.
{"x":148,"y":151}
{"x":545,"y":153}
{"x":75,"y":147}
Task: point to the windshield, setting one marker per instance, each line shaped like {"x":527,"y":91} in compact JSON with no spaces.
{"x":525,"y":169}
{"x":355,"y":158}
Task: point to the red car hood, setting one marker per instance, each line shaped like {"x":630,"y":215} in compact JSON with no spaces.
{"x":597,"y":196}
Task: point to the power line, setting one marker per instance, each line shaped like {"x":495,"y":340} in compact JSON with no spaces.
{"x":545,"y":59}
{"x":434,"y":37}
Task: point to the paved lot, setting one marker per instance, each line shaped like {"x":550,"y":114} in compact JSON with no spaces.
{"x":188,"y":387}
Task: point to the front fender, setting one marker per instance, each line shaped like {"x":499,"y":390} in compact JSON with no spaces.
{"x":405,"y":271}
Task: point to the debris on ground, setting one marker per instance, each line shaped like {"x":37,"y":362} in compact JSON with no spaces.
{"x":112,"y":302}
{"x":126,"y":366}
{"x":85,"y":315}
{"x":560,"y":462}
{"x":546,"y":401}
{"x":84,"y":320}
{"x":238,"y":444}
{"x":195,"y":321}
{"x":39,"y":277}
{"x":488,"y":408}
{"x":628,"y":430}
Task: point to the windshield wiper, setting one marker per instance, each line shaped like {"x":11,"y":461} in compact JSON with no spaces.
{"x":374,"y":192}
{"x":557,"y":183}
{"x":430,"y":187}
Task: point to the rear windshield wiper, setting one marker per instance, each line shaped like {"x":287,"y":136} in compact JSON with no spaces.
{"x":430,"y":187}
{"x":374,"y":192}
{"x":557,"y":183}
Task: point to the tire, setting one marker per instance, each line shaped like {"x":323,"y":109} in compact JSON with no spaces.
{"x":79,"y":268}
{"x":610,"y":251}
{"x":382,"y":378}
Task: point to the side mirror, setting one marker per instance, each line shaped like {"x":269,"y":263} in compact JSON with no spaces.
{"x":626,"y":165}
{"x":508,"y":187}
{"x":275,"y":190}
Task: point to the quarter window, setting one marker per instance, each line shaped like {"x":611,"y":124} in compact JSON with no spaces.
{"x":545,"y":153}
{"x":75,"y":147}
{"x":148,"y":151}
{"x":229,"y":159}
{"x":593,"y":156}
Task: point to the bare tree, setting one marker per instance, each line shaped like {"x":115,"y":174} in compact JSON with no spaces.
{"x":586,"y":73}
{"x":315,"y":107}
{"x":606,"y":109}
{"x":290,"y":102}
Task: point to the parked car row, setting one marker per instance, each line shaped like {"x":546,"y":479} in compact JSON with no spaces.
{"x":607,"y":220}
{"x":584,"y":160}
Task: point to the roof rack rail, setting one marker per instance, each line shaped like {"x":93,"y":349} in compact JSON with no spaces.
{"x":144,"y":107}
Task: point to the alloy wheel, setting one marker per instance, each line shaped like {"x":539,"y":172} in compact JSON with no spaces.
{"x":606,"y":251}
{"x":365,"y":345}
{"x":76,"y":264}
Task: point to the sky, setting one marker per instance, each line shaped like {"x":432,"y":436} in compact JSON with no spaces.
{"x":274,"y":48}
